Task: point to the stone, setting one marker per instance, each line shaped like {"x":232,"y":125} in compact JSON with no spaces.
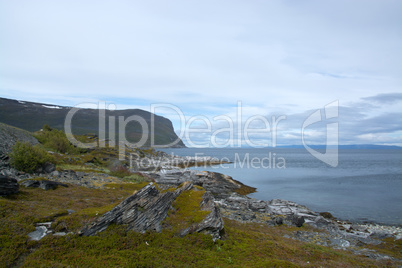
{"x":146,"y":209}
{"x":143,"y":211}
{"x":212,"y":224}
{"x":295,"y":220}
{"x":218,"y":184}
{"x":43,"y":184}
{"x":49,"y":167}
{"x":8,"y":185}
{"x":38,"y":234}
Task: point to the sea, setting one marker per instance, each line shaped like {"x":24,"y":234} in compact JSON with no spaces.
{"x":365,"y":186}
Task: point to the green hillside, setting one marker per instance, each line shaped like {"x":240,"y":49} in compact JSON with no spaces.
{"x":32,"y":116}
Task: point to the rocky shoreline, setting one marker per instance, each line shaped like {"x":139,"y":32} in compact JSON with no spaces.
{"x":229,"y":197}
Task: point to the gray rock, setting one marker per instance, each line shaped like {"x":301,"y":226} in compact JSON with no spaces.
{"x":43,"y":184}
{"x":212,"y":224}
{"x":8,"y":185}
{"x":295,"y":220}
{"x":38,"y":234}
{"x":380,"y":234}
{"x":49,"y":168}
{"x":146,"y":209}
{"x":10,"y":135}
{"x":143,"y":211}
{"x":218,"y":184}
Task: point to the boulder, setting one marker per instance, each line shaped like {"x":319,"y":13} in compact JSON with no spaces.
{"x":8,"y":185}
{"x":43,"y":184}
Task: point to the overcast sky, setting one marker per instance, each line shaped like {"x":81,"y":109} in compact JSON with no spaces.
{"x":276,"y":58}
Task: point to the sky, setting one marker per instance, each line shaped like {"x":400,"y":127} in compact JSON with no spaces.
{"x":202,"y":63}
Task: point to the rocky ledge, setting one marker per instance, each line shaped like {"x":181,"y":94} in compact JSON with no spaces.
{"x":146,"y":209}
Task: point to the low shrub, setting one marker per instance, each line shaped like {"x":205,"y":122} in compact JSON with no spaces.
{"x":28,"y":158}
{"x":56,"y":140}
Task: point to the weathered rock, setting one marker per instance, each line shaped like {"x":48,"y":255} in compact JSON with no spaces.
{"x":147,"y":208}
{"x":143,"y":211}
{"x":43,"y":184}
{"x":212,"y":224}
{"x":218,"y":184}
{"x":8,"y":185}
{"x":9,"y":136}
{"x":49,"y":167}
{"x":38,"y":234}
{"x":295,"y":220}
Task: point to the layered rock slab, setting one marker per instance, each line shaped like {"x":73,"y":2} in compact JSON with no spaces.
{"x":146,"y":209}
{"x":8,"y":185}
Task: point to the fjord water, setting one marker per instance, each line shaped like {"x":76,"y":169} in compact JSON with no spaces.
{"x":365,"y":186}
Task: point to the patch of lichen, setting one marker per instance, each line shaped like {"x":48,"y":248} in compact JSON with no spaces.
{"x":186,"y":210}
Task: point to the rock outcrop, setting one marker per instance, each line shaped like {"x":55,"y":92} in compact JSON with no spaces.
{"x":212,"y":224}
{"x":8,"y":186}
{"x":218,"y":184}
{"x":8,"y":138}
{"x":43,"y":184}
{"x":146,"y":209}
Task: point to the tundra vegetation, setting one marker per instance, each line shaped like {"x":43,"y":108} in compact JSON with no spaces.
{"x":242,"y":245}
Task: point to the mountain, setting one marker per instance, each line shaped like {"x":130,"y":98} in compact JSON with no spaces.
{"x":32,"y":116}
{"x":347,"y":146}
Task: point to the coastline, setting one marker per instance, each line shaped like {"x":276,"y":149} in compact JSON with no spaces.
{"x":229,"y":196}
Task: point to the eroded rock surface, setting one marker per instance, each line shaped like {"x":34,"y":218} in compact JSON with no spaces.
{"x":212,"y":224}
{"x":8,"y":185}
{"x":43,"y":184}
{"x":218,"y":184}
{"x":146,"y":209}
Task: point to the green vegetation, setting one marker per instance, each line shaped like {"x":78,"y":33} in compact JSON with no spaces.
{"x":28,"y":158}
{"x":119,"y":171}
{"x":244,"y":245}
{"x":187,"y":210}
{"x":84,"y":121}
{"x":55,"y":140}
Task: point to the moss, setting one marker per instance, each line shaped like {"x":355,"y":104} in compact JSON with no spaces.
{"x":55,"y":140}
{"x":129,"y":188}
{"x":186,"y":210}
{"x":245,"y":245}
{"x":245,"y":190}
{"x":390,"y":247}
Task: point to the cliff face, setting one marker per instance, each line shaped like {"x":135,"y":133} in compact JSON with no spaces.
{"x":32,"y":116}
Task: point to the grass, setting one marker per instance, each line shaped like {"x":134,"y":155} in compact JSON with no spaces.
{"x":186,"y":210}
{"x":244,"y":245}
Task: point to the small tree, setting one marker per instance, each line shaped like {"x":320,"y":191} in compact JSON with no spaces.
{"x":28,"y":158}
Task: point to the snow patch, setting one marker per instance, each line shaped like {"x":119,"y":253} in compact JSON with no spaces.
{"x":51,"y":107}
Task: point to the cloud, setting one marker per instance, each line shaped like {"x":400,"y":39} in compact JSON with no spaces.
{"x":385,"y":98}
{"x":276,"y":57}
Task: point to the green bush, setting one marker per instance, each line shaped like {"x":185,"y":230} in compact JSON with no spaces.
{"x":56,"y":140}
{"x":28,"y":158}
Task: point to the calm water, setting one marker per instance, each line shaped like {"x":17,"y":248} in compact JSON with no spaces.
{"x":366,"y":185}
